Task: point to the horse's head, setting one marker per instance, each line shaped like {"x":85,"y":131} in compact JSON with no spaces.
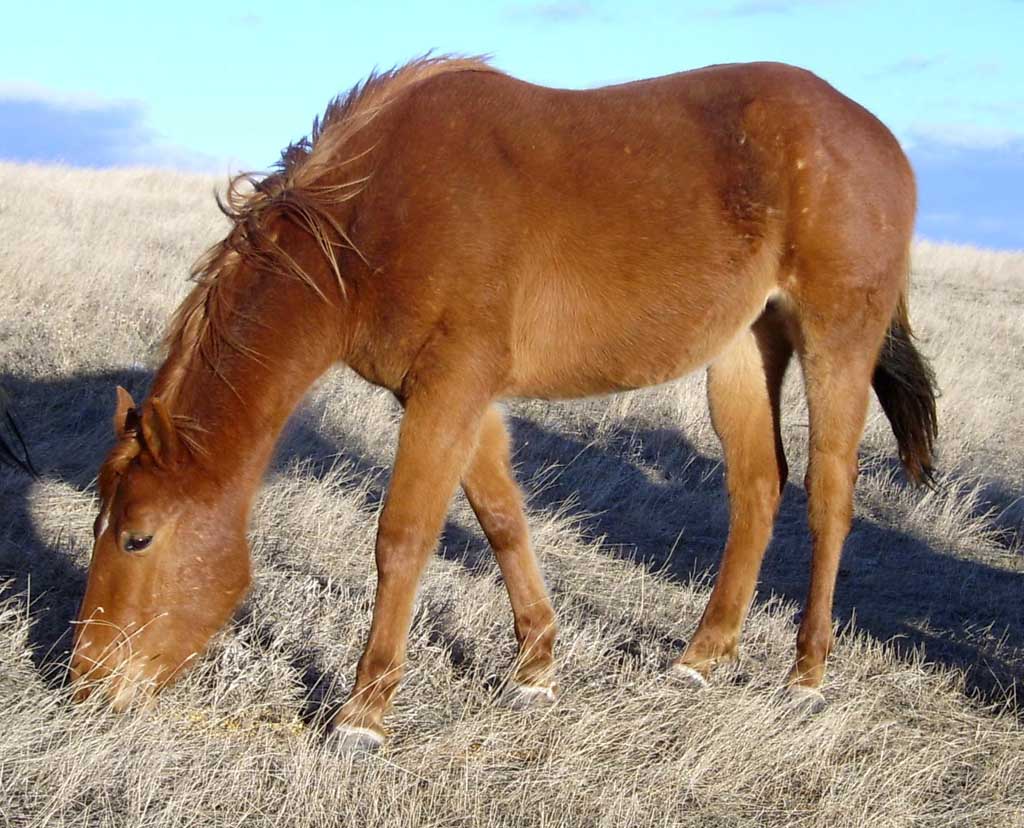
{"x":170,"y":561}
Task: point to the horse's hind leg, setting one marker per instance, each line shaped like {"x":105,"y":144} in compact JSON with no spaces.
{"x":498,"y":504}
{"x":744,"y":385}
{"x":838,"y":358}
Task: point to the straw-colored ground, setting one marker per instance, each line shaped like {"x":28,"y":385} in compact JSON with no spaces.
{"x":628,"y":516}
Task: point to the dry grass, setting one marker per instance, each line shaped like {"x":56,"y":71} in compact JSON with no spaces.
{"x":628,"y":515}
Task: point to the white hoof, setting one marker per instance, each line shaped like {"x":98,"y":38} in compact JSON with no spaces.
{"x":345,"y":739}
{"x":688,"y":676}
{"x":526,"y":696}
{"x":803,"y":700}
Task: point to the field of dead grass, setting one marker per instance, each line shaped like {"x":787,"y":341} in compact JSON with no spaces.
{"x":628,"y":516}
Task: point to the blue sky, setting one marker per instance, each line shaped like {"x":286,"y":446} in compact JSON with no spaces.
{"x":218,"y":86}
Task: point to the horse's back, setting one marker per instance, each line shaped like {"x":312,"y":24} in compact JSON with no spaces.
{"x":621,"y":236}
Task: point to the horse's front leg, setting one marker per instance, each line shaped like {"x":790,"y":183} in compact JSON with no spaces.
{"x":436,"y":440}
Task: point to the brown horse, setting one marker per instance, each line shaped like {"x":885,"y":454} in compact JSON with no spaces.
{"x":458,"y":236}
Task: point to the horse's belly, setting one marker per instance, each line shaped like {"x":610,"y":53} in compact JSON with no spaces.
{"x":586,"y":350}
{"x":555,"y":375}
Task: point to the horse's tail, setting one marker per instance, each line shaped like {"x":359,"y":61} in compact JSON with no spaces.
{"x":905,"y":385}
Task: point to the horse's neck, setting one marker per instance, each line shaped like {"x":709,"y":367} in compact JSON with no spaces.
{"x":234,"y":405}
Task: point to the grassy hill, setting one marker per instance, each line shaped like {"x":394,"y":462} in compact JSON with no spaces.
{"x":628,"y":515}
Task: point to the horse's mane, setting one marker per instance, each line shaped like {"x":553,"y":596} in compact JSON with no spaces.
{"x":298,"y":188}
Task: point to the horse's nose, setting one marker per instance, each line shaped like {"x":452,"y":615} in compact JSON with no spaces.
{"x":121,"y":684}
{"x":87,"y":662}
{"x":80,"y":667}
{"x":81,"y":692}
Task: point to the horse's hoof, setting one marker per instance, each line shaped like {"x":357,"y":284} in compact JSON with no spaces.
{"x":348,"y":740}
{"x":805,"y":701}
{"x":528,"y":696}
{"x":685,"y":674}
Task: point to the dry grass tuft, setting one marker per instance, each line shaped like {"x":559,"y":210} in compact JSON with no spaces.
{"x":628,"y":515}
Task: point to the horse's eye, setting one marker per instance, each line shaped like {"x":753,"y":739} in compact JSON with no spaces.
{"x":136,"y":543}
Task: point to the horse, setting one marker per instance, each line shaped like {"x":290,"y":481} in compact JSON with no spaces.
{"x":460,"y":237}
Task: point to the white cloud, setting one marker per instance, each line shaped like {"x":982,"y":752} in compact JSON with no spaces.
{"x":84,"y":129}
{"x":754,"y":8}
{"x":963,"y":136}
{"x":910,"y":65}
{"x":78,"y":101}
{"x":555,"y":11}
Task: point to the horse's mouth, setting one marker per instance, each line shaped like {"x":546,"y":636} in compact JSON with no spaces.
{"x":128,"y":684}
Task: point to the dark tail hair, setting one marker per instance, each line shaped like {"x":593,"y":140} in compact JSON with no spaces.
{"x":905,"y":385}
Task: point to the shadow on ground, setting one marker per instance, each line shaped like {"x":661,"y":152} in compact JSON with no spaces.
{"x":650,"y":496}
{"x":962,"y":613}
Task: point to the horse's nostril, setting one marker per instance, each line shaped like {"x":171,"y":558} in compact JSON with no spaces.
{"x":82,"y":692}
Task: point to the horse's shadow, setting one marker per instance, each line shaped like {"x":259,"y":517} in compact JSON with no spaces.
{"x":960,"y":612}
{"x":68,"y":427}
{"x":68,"y":423}
{"x":895,"y":586}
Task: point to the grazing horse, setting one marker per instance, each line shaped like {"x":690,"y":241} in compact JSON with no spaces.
{"x":458,"y":236}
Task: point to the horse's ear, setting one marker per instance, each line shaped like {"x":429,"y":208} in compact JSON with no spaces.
{"x":125,"y":418}
{"x":159,"y":434}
